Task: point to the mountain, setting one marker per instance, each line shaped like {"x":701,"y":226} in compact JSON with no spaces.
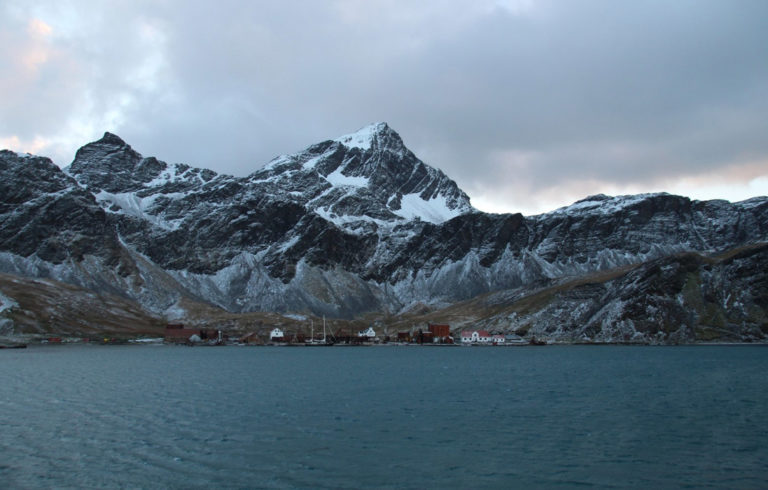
{"x":681,"y":298}
{"x":350,"y":227}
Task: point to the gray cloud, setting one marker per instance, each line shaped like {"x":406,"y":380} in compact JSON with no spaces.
{"x":515,"y":100}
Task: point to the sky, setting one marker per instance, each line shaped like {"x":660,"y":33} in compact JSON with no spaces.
{"x":528,"y":105}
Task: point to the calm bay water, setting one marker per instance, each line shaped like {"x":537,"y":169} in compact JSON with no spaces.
{"x":391,"y":417}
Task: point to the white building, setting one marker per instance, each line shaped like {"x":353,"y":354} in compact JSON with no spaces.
{"x":370,"y":333}
{"x":276,"y":334}
{"x":476,"y":337}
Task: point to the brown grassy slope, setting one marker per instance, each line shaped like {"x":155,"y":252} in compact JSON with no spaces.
{"x":50,"y":307}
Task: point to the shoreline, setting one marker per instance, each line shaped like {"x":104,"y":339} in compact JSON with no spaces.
{"x":17,"y":344}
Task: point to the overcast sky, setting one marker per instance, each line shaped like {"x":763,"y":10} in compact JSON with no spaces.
{"x":528,"y":105}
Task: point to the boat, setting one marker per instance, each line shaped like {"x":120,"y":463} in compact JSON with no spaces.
{"x":313,"y":342}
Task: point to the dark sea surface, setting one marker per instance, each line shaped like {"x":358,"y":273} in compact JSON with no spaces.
{"x":387,"y":417}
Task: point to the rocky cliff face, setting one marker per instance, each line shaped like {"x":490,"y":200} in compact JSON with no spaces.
{"x":347,"y":226}
{"x":46,"y":214}
{"x":681,"y":298}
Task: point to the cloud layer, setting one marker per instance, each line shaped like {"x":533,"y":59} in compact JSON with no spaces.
{"x":527,"y":105}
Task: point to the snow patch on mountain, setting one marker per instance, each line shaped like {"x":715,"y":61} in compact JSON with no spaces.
{"x":312,"y":162}
{"x":602,"y":204}
{"x":435,"y":210}
{"x":274,"y":164}
{"x":339,"y":179}
{"x":130,"y":204}
{"x":283,"y":247}
{"x":362,"y":138}
{"x":347,"y":221}
{"x":172,"y":174}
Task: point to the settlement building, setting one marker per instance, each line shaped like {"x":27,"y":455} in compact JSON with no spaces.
{"x":277,"y":335}
{"x":369,"y":333}
{"x":514,"y":339}
{"x":476,"y":337}
{"x":440,"y":329}
{"x":441,"y":333}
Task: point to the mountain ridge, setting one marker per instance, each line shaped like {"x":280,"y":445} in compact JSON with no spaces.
{"x":347,"y":227}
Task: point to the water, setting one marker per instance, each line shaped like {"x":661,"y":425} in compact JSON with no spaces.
{"x":387,"y":417}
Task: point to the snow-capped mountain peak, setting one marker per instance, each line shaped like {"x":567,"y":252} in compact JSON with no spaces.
{"x":367,"y":175}
{"x":367,"y":137}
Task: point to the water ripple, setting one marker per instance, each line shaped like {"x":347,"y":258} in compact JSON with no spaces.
{"x":168,"y":417}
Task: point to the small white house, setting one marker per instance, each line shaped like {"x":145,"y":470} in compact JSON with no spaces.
{"x":276,"y":334}
{"x":370,"y":333}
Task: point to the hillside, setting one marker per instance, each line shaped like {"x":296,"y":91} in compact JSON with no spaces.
{"x":359,"y":229}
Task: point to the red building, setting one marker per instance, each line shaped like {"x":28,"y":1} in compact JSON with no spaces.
{"x":440,"y":329}
{"x":441,"y":333}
